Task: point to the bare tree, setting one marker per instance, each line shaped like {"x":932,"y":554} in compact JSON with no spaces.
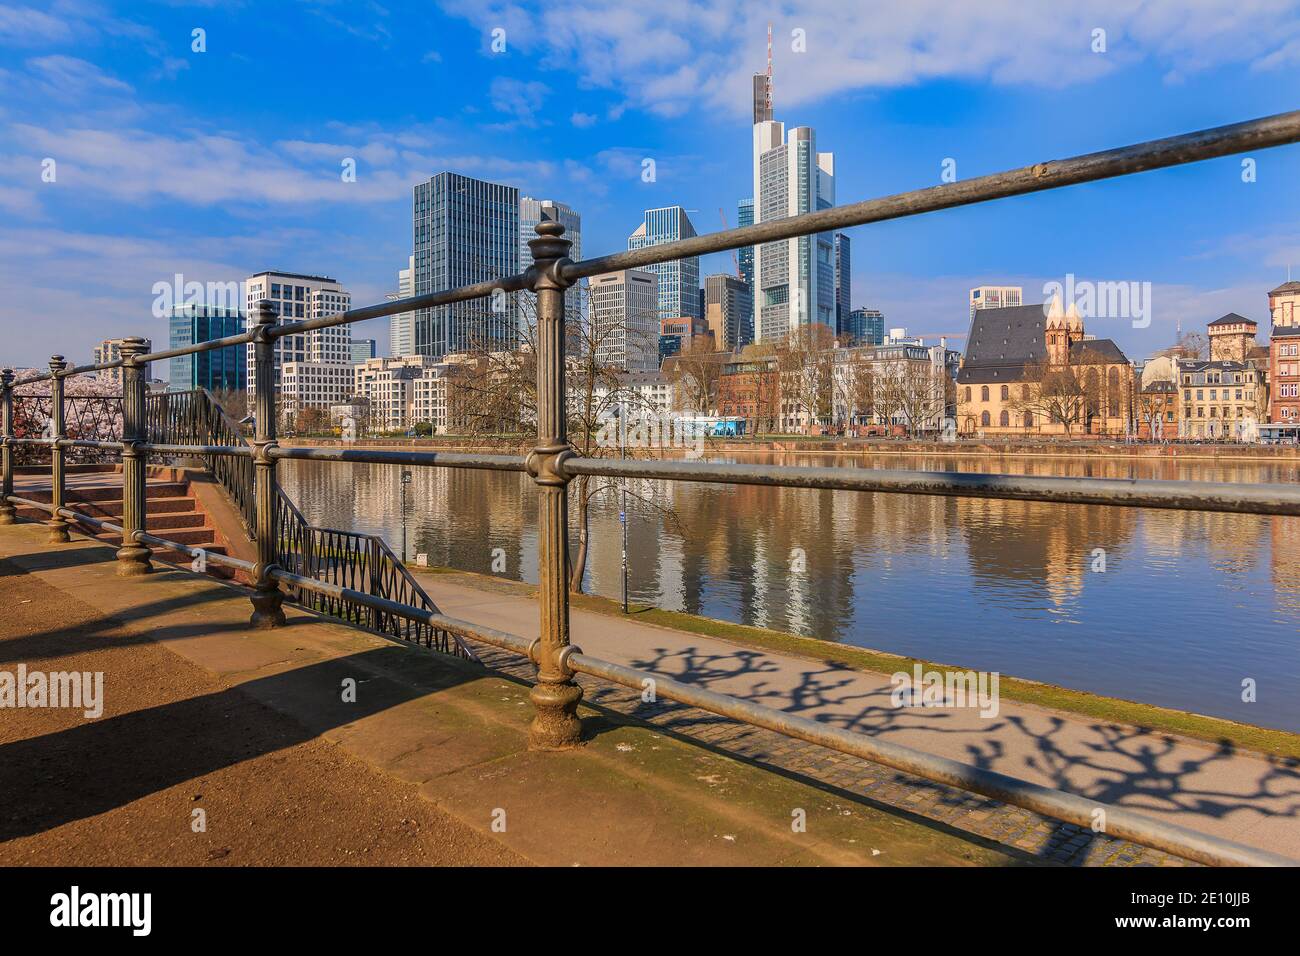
{"x":697,"y":373}
{"x":1194,"y":345}
{"x":916,"y":392}
{"x":1059,"y":394}
{"x":807,"y":364}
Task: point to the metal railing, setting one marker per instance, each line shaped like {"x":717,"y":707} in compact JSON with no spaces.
{"x":351,"y":561}
{"x":196,"y":418}
{"x":553,"y":463}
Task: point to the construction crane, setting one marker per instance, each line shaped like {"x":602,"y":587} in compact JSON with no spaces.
{"x":734,"y":261}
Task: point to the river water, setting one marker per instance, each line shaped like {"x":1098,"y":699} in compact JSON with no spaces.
{"x":1189,"y":605}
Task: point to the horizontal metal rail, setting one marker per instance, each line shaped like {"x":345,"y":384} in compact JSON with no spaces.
{"x":212,"y":557}
{"x":488,"y":635}
{"x":1271,"y":499}
{"x":1118,"y":821}
{"x":195,"y":451}
{"x":1263,"y":133}
{"x":429,"y":459}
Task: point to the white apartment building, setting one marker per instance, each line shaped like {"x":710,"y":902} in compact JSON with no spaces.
{"x":110,"y":350}
{"x":995,"y":297}
{"x":646,"y":393}
{"x":311,"y":385}
{"x":388,"y":384}
{"x":294,"y":296}
{"x":436,"y":397}
{"x":625,"y":319}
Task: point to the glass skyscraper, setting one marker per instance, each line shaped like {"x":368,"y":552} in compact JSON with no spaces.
{"x":465,"y":231}
{"x":679,"y":282}
{"x":531,"y":212}
{"x":217,"y":369}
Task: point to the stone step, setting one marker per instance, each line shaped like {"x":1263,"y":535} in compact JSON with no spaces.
{"x":95,"y":493}
{"x":113,"y":509}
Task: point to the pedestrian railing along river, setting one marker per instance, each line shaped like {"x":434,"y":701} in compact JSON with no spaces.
{"x":553,"y":463}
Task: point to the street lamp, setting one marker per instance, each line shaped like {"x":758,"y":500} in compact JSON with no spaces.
{"x":406,"y":480}
{"x":620,"y":412}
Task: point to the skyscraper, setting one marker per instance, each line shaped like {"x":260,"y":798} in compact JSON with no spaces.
{"x":843,"y":278}
{"x":994,"y":297}
{"x":401,"y":327}
{"x":464,"y":231}
{"x":794,"y":279}
{"x":679,"y":281}
{"x":218,"y":369}
{"x":745,"y":217}
{"x":728,"y":311}
{"x":625,"y":319}
{"x":531,"y":212}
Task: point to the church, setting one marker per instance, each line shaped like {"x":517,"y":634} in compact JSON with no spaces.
{"x":1033,"y":370}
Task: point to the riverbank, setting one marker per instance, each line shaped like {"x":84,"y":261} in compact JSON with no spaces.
{"x":1144,"y":717}
{"x":1091,"y":449}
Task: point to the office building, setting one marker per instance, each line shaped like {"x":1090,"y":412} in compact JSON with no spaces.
{"x":625,"y":319}
{"x":464,"y":231}
{"x":219,"y":370}
{"x":728,"y":311}
{"x":678,"y":281}
{"x":995,"y":297}
{"x":363,"y":349}
{"x":531,"y":212}
{"x":401,"y":327}
{"x":865,"y":327}
{"x":794,"y":279}
{"x":843,"y":278}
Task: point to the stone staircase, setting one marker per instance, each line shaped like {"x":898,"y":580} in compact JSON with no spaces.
{"x":172,"y":511}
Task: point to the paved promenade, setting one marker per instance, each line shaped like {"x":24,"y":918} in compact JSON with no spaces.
{"x":427,"y":763}
{"x":1244,"y":797}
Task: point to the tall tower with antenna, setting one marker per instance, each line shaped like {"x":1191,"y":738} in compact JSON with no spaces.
{"x":794,"y":279}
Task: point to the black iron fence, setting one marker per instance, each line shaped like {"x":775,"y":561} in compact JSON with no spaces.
{"x":327,"y":568}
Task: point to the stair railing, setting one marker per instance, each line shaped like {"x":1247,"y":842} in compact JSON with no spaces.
{"x":349,"y":559}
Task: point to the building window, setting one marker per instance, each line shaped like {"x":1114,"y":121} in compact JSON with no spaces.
{"x":985,"y":420}
{"x":984,"y":397}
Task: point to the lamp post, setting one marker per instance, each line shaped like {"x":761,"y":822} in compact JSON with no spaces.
{"x":622,"y":508}
{"x":406,"y":480}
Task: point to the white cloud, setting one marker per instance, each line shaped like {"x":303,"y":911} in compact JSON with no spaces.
{"x":519,"y":99}
{"x":583,"y":120}
{"x":28,"y":26}
{"x":679,"y":54}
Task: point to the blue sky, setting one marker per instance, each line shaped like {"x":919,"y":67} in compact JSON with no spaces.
{"x":221,"y":163}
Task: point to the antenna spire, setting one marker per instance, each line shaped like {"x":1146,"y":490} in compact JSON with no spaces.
{"x":769,"y":69}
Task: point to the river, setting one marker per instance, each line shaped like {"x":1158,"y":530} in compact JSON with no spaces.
{"x":1174,"y":608}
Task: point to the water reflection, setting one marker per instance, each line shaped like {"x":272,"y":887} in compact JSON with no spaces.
{"x":1189,"y":603}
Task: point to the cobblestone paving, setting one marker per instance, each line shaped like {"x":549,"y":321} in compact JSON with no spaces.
{"x":1042,"y":837}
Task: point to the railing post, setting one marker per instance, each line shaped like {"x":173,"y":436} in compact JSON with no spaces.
{"x":555,"y":696}
{"x":8,"y":513}
{"x":266,"y":595}
{"x":57,"y":524}
{"x":132,"y":556}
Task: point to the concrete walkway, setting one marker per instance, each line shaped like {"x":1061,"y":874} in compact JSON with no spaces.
{"x":121,"y":787}
{"x":1244,"y":797}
